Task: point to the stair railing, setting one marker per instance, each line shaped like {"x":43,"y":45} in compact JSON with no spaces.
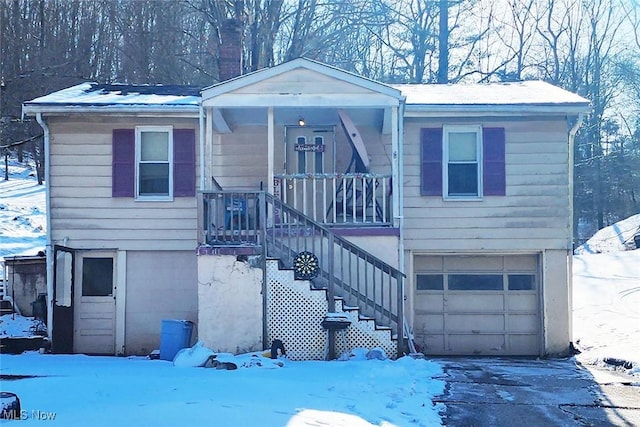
{"x":346,"y":270}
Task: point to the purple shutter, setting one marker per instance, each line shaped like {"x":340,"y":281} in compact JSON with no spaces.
{"x":431,"y":161}
{"x":184,"y":162}
{"x":493,"y":142}
{"x":123,"y":163}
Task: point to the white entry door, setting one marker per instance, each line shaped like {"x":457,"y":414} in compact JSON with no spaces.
{"x":95,"y":303}
{"x":309,"y":155}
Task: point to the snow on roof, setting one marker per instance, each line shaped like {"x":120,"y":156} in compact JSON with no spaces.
{"x":533,"y":92}
{"x":94,"y":94}
{"x":495,"y":97}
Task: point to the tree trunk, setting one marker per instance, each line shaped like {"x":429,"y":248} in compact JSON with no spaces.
{"x":443,"y":42}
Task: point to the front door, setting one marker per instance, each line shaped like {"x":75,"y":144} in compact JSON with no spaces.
{"x":95,"y":303}
{"x":309,"y":153}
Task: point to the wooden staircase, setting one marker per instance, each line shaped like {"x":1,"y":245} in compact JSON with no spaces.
{"x":349,"y":279}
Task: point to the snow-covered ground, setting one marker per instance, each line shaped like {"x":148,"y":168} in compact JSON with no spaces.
{"x":22,"y":212}
{"x":614,"y":238}
{"x":78,"y":390}
{"x":137,"y":391}
{"x":606,"y":307}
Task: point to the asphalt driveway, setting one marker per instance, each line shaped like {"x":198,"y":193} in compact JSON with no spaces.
{"x":527,"y":392}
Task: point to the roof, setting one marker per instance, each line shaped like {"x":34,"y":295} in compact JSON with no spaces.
{"x":421,"y":99}
{"x":514,"y":97}
{"x":118,"y":97}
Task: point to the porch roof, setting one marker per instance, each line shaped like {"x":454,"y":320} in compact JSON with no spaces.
{"x":301,"y":83}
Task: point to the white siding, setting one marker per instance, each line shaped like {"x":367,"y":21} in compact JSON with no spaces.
{"x":533,"y":215}
{"x":160,"y":285}
{"x":82,"y":209}
{"x":239,"y":159}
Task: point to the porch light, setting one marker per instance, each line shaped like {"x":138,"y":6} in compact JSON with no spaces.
{"x":301,"y":121}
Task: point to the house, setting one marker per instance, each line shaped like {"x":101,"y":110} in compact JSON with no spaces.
{"x":256,"y":206}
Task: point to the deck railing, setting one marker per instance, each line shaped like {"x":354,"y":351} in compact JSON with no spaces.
{"x":232,"y":217}
{"x":362,"y":198}
{"x":345,"y":270}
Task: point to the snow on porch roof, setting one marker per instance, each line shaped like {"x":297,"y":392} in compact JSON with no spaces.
{"x":118,"y":97}
{"x":531,"y":95}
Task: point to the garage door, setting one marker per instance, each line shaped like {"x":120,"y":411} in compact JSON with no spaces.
{"x":477,"y":305}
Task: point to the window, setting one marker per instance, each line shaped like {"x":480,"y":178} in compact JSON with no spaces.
{"x":475,"y":282}
{"x":97,"y":277}
{"x":522,"y":282}
{"x":430,"y":282}
{"x":301,"y":142}
{"x":462,"y":162}
{"x":462,"y":165}
{"x":154,"y":162}
{"x":319,"y":141}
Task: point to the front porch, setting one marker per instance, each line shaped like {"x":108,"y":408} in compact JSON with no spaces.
{"x":260,"y":229}
{"x":304,"y":159}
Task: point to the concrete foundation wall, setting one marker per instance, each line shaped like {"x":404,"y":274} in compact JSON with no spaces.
{"x":555,"y":295}
{"x":230,"y":304}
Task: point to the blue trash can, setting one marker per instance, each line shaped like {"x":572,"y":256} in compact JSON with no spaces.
{"x":175,"y":335}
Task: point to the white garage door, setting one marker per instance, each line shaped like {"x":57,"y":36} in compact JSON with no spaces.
{"x":477,"y":305}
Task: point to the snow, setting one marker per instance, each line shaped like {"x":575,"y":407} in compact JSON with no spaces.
{"x":136,"y":391}
{"x":616,"y":237}
{"x":16,"y":326}
{"x":514,"y":93}
{"x":358,"y":390}
{"x":606,"y":307}
{"x":22,"y":212}
{"x":91,"y":94}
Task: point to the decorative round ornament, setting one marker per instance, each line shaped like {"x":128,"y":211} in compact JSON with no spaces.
{"x":306,"y":266}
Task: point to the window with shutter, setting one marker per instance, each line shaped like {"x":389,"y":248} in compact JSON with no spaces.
{"x":153,"y":163}
{"x":461,"y":162}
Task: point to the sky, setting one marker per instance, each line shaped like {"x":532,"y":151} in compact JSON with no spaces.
{"x":68,"y":390}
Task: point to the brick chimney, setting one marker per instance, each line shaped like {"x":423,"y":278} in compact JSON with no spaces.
{"x":230,"y":54}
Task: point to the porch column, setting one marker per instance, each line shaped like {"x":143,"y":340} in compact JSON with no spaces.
{"x":270,"y":148}
{"x":208,"y":148}
{"x":395,"y":166}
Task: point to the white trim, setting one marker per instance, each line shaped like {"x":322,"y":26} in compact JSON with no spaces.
{"x":121,"y":301}
{"x":440,"y":110}
{"x":295,"y":99}
{"x":138,"y":132}
{"x":271,"y":143}
{"x":189,"y":111}
{"x":446,"y":130}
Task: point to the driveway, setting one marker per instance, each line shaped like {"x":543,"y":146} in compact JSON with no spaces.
{"x":527,"y":392}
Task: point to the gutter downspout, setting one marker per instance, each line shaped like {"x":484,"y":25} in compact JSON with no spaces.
{"x":400,"y":218}
{"x":572,"y":135}
{"x":49,"y":244}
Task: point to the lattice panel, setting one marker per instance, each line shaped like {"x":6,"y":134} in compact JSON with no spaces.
{"x":295,"y":312}
{"x":363,"y":334}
